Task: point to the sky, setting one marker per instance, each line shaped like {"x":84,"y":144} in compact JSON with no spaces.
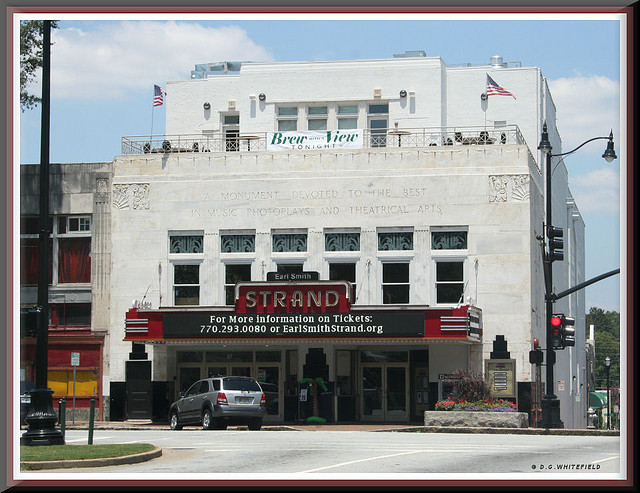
{"x":103,"y":70}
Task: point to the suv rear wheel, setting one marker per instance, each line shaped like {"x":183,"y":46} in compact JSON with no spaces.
{"x":174,"y":423}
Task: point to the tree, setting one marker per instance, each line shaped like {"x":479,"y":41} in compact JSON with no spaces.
{"x":607,"y":343}
{"x":30,"y":59}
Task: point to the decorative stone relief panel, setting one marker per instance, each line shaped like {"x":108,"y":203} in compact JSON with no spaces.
{"x":509,"y":188}
{"x":131,"y":196}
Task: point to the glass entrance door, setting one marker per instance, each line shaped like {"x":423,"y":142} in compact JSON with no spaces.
{"x":384,"y":392}
{"x":268,"y":376}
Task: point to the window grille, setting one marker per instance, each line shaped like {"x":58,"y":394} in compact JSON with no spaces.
{"x":395,"y":241}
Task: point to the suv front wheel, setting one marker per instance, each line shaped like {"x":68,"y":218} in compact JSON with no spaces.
{"x":206,"y":419}
{"x":173,"y":421}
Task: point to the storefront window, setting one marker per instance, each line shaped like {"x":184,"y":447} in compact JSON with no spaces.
{"x":268,"y":356}
{"x":229,"y":356}
{"x":384,"y":356}
{"x":189,"y":357}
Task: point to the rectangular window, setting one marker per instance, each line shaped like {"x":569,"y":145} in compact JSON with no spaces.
{"x":347,"y":117}
{"x":401,"y":240}
{"x":29,"y":248}
{"x":74,"y":260}
{"x":287,"y":119}
{"x":186,"y":284}
{"x":344,"y":271}
{"x":449,"y":240}
{"x":237,"y":243}
{"x":395,"y":282}
{"x":71,"y":315}
{"x":289,"y":242}
{"x":379,"y":109}
{"x":74,"y":224}
{"x":186,"y":244}
{"x":289,"y":269}
{"x":234,"y":273}
{"x":317,"y":117}
{"x":342,"y":242}
{"x":449,"y":281}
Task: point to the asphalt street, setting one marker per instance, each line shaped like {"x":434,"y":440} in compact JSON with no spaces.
{"x":241,"y":454}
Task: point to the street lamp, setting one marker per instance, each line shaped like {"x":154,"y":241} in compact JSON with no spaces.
{"x":607,"y":364}
{"x":550,"y":402}
{"x":41,"y":417}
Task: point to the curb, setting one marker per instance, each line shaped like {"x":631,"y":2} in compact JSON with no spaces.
{"x":104,"y":461}
{"x":503,"y":431}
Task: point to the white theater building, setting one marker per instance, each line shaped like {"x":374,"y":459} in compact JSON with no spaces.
{"x":373,"y":223}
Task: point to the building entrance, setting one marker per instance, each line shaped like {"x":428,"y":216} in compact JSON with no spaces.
{"x":384,"y":385}
{"x":384,"y":392}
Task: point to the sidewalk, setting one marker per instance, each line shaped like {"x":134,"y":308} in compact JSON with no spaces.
{"x":372,"y":427}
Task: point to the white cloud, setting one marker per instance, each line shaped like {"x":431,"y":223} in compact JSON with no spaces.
{"x":586,"y":107}
{"x":597,"y":191}
{"x":119,"y":57}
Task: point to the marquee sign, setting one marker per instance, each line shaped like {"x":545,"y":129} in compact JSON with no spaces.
{"x":232,"y":325}
{"x":331,"y":139}
{"x":298,"y":297}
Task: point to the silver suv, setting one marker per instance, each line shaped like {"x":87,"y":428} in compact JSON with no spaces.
{"x":216,"y":402}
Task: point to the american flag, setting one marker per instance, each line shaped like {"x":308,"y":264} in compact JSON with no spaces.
{"x":494,"y":88}
{"x":158,"y":95}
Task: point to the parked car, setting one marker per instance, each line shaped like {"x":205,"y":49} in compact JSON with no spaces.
{"x":216,"y":402}
{"x":25,"y":400}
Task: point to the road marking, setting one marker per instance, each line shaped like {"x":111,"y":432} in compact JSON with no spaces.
{"x":607,"y":459}
{"x":362,"y":460}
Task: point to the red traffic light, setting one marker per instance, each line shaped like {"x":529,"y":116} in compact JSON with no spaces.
{"x":556,"y":321}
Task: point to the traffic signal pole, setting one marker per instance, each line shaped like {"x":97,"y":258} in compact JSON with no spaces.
{"x":550,"y":402}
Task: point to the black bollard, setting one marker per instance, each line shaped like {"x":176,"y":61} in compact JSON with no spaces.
{"x":92,"y":409}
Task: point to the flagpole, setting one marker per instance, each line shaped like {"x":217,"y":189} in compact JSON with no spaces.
{"x":153,"y":105}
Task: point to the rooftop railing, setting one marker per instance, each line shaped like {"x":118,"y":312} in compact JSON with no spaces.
{"x":373,"y":139}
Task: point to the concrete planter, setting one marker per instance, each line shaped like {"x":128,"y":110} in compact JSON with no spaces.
{"x":476,"y":419}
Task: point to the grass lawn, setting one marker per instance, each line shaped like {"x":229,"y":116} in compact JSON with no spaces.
{"x":78,"y":452}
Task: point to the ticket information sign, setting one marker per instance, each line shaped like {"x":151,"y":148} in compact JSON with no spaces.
{"x":231,"y":325}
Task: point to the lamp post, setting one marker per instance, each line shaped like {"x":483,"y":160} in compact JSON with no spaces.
{"x":550,"y":402}
{"x":41,"y":417}
{"x":607,"y":364}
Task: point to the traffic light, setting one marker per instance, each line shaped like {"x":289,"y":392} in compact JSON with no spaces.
{"x":556,"y":243}
{"x":562,"y":331}
{"x":556,"y":331}
{"x":29,"y":321}
{"x":568,"y":331}
{"x":536,"y":357}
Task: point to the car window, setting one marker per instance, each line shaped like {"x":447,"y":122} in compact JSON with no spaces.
{"x":241,"y":384}
{"x":216,"y":384}
{"x":204,"y":387}
{"x":193,"y":390}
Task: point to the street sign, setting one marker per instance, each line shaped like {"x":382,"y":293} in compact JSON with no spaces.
{"x":75,"y":359}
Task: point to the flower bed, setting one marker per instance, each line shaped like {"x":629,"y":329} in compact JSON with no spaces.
{"x":486,"y":405}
